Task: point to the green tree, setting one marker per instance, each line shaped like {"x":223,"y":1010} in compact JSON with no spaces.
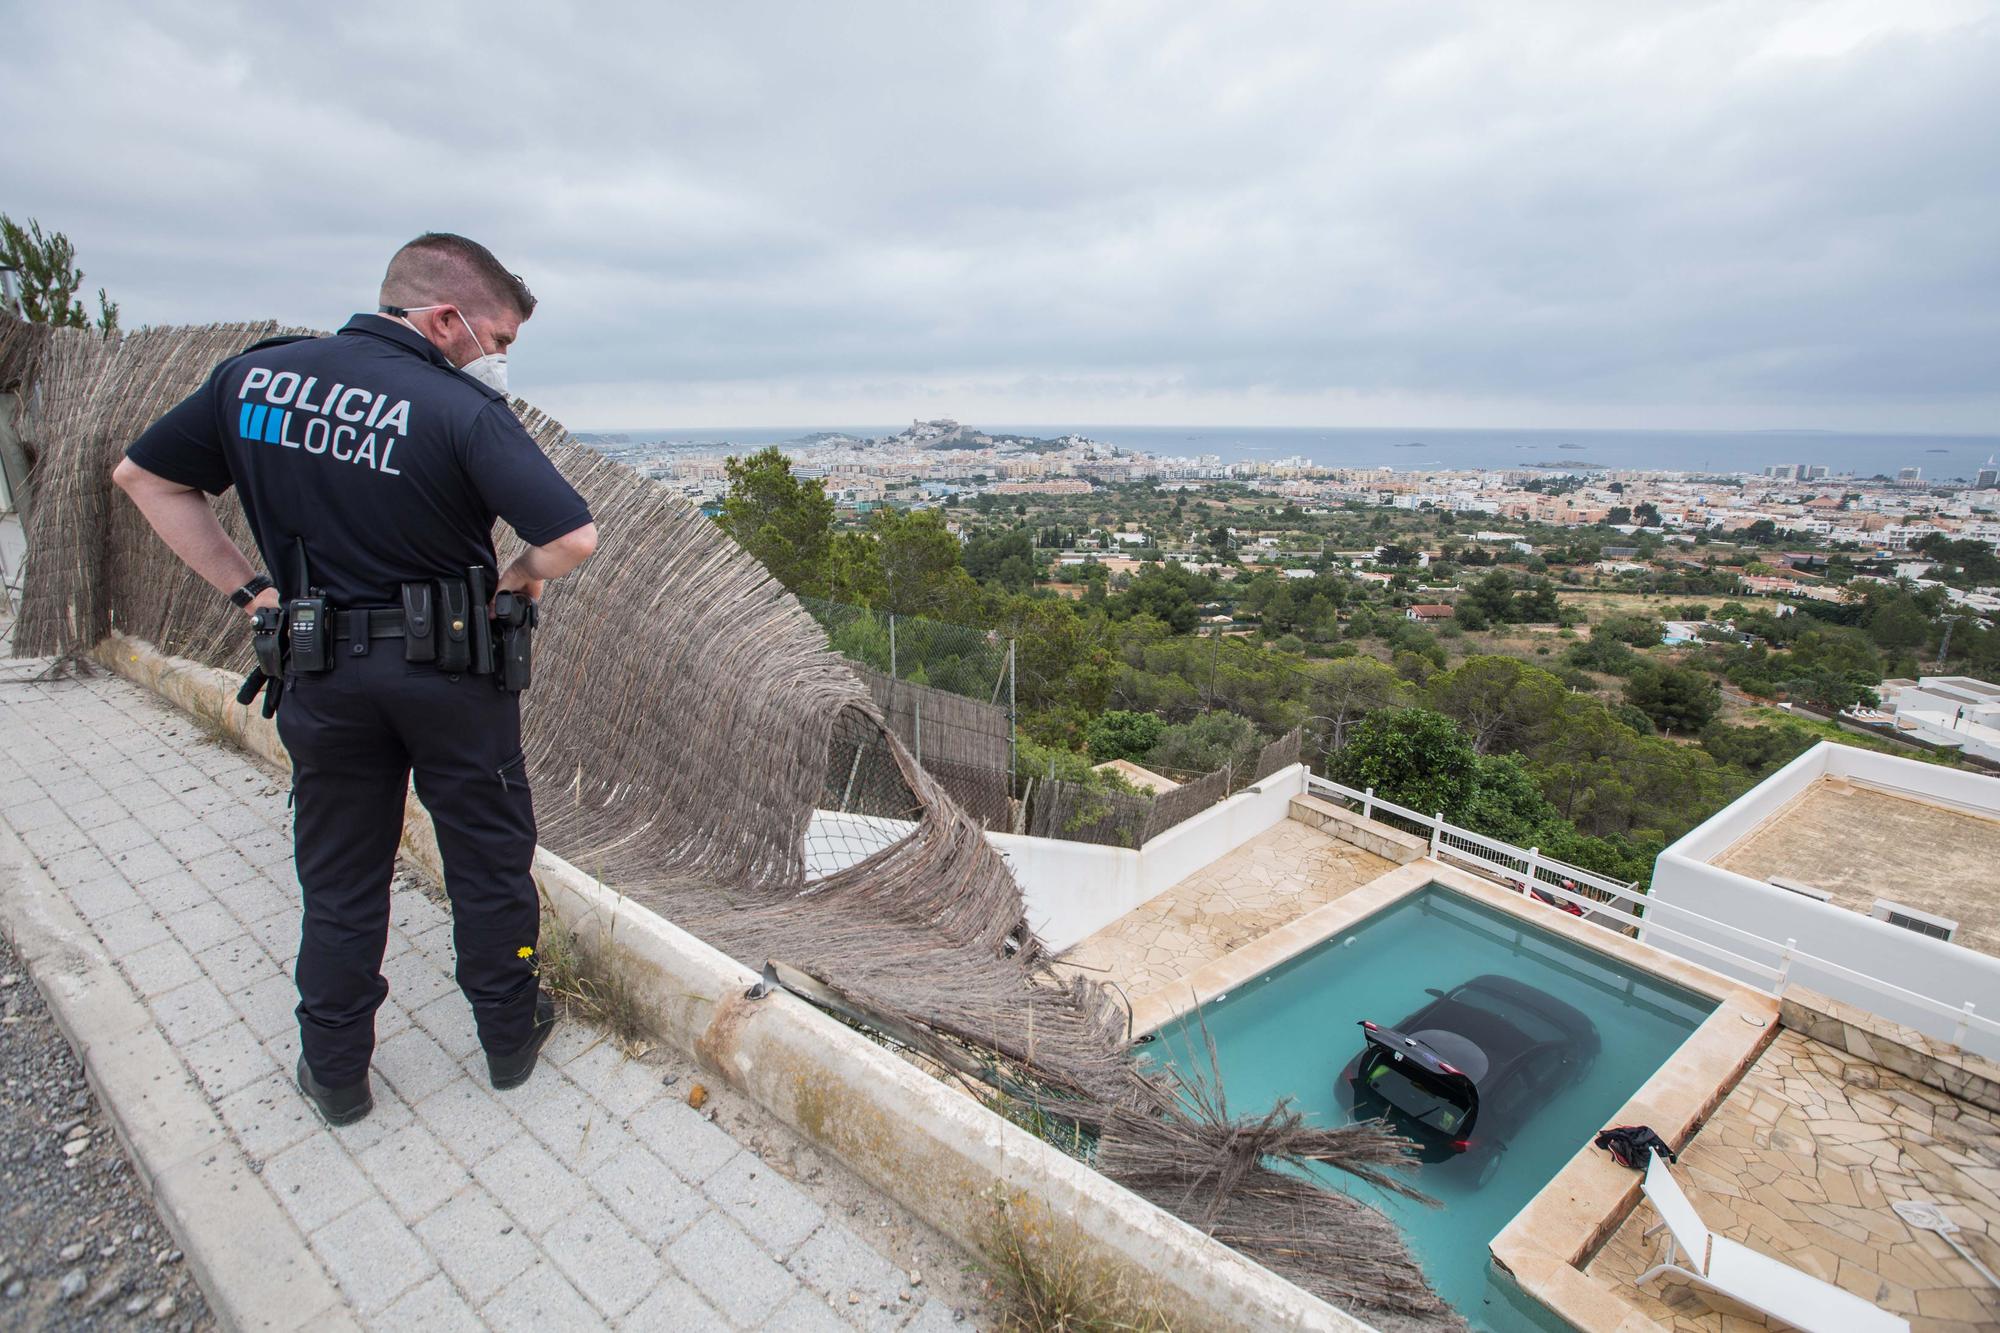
{"x":921,"y":573}
{"x":1122,"y":734}
{"x":1207,"y":743}
{"x":1414,"y":757}
{"x":1501,"y":702}
{"x":1007,"y":559}
{"x":1676,"y":698}
{"x":45,"y":267}
{"x":1349,"y":690}
{"x":784,"y":521}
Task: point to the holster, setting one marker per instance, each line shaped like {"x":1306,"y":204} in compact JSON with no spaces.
{"x":454,"y":626}
{"x":267,"y":640}
{"x":514,"y":621}
{"x":420,"y":622}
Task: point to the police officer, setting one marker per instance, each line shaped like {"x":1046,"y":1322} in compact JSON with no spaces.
{"x":371,"y":466}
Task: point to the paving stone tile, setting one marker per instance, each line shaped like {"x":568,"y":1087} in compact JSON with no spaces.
{"x":391,"y":1116}
{"x":415,"y":980}
{"x":466,"y":1118}
{"x":191,"y":1011}
{"x":257,"y":898}
{"x":279,"y":934}
{"x":415,"y":1064}
{"x":236,"y":963}
{"x":673,"y":1306}
{"x":86,"y":863}
{"x":316,"y":1180}
{"x":774,"y":1210}
{"x":623,"y":1085}
{"x":434,"y":1306}
{"x":681,"y":1138}
{"x":192,"y":840}
{"x":128,"y":931}
{"x":729,"y":1269}
{"x":481,"y":1247}
{"x":204,"y":924}
{"x":106,"y":896}
{"x":646,"y":1194}
{"x":372,"y":1255}
{"x":25,"y":819}
{"x":611,"y":1267}
{"x":269,"y":1006}
{"x":835,"y":1261}
{"x":528,"y":1181}
{"x":806,"y":1312}
{"x":144,"y":862}
{"x":173,"y":893}
{"x":159,"y":968}
{"x":449,"y":1021}
{"x":121,"y":836}
{"x":412,"y":1170}
{"x":269,"y":1116}
{"x":538,"y":1301}
{"x":52,"y":841}
{"x":227,"y":1059}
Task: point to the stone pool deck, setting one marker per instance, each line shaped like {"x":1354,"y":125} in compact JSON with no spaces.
{"x":1803,"y":1161}
{"x":1268,"y":882}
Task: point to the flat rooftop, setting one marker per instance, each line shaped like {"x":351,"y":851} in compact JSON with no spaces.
{"x":1803,"y":1162}
{"x":1859,"y":843}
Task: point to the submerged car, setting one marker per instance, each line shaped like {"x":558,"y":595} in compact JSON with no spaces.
{"x":1463,"y":1073}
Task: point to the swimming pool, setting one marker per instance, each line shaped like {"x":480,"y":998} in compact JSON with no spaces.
{"x":1291,"y":1032}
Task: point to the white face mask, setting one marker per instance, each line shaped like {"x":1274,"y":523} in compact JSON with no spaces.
{"x":489,"y":369}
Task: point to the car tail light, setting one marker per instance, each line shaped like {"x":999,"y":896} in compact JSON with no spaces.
{"x":1370,"y":1026}
{"x":1450,"y":1069}
{"x":1460,"y":1145}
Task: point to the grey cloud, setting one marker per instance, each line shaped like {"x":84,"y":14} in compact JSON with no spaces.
{"x":1294,"y":212}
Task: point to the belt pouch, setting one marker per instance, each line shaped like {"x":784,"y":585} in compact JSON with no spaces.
{"x":454,"y":628}
{"x":419,"y":622}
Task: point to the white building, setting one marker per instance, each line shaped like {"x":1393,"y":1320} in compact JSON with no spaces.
{"x":1957,"y":711}
{"x":1866,"y":877}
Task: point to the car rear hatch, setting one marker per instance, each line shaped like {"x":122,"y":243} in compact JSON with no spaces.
{"x":1420,"y":1083}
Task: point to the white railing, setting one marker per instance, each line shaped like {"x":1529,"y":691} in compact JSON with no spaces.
{"x":1613,"y":905}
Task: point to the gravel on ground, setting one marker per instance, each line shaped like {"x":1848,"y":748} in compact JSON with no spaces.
{"x":81,"y":1246}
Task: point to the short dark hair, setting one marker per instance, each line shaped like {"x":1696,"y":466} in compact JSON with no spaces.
{"x":440,"y":267}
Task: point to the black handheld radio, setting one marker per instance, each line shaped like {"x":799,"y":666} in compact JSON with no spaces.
{"x":306,"y":626}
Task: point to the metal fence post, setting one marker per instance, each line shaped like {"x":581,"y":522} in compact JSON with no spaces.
{"x":892,"y":645}
{"x":1013,"y":721}
{"x":1368,"y":804}
{"x":1785,"y":965}
{"x":1964,"y":1025}
{"x":1437,"y":832}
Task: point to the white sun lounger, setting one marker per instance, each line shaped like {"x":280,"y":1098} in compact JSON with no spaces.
{"x":1747,"y":1276}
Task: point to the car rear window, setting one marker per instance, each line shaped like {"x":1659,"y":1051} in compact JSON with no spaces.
{"x":1414,"y":1093}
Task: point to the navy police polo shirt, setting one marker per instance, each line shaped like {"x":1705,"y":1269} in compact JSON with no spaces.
{"x":390,"y":463}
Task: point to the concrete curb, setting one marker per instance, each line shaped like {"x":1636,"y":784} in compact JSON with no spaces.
{"x":950,"y":1162}
{"x":251,"y":1262}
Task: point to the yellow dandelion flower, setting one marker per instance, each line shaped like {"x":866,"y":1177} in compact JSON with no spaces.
{"x":524,"y":952}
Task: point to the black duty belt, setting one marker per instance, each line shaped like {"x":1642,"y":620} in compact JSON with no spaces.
{"x":379,"y":623}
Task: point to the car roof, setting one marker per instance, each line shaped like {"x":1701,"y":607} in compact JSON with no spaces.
{"x":1499,"y":1027}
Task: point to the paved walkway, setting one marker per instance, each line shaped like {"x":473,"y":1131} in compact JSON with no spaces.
{"x":1275,"y":878}
{"x":1803,"y":1161}
{"x":592,"y":1196}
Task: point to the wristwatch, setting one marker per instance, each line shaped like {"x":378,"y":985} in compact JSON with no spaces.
{"x":247,"y":594}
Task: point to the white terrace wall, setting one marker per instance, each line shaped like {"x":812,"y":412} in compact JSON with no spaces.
{"x":1947,"y":974}
{"x":1074,"y":889}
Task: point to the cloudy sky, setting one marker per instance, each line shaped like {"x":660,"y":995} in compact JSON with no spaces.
{"x":1738,"y":215}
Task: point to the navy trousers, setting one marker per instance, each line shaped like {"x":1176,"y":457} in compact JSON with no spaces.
{"x":355,"y":734}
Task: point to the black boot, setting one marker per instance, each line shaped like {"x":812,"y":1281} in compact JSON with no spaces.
{"x":511,"y":1071}
{"x":339,"y":1106}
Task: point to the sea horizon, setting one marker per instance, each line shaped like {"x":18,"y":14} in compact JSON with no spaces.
{"x":1940,"y":456}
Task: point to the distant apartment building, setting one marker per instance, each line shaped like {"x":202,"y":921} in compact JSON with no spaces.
{"x":1955,"y":711}
{"x":1909,"y":476}
{"x":1988,"y":479}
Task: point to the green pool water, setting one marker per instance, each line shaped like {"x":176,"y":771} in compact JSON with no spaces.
{"x":1291,"y":1032}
